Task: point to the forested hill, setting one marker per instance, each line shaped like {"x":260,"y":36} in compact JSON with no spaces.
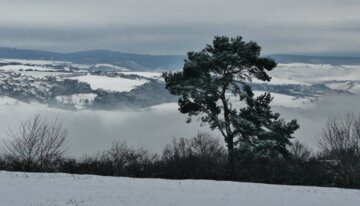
{"x":128,"y":60}
{"x":149,"y":62}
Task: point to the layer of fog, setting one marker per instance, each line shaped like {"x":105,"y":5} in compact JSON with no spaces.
{"x":313,"y":120}
{"x":93,"y":131}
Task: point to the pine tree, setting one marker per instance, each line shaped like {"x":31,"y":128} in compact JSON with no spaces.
{"x":209,"y":82}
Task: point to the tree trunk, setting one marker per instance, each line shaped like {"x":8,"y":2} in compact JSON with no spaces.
{"x":229,"y":136}
{"x":231,"y":159}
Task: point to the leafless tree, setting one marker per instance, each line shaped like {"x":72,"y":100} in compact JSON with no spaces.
{"x":340,"y":145}
{"x":36,"y":143}
{"x":202,"y":146}
{"x":207,"y":147}
{"x":128,"y":160}
{"x":341,"y":134}
{"x":300,"y":152}
{"x":202,"y":156}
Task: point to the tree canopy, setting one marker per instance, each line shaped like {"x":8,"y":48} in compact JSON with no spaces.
{"x":214,"y":85}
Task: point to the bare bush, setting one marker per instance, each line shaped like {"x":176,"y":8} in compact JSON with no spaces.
{"x":199,"y":157}
{"x":207,"y":147}
{"x":129,"y":161}
{"x":340,"y":146}
{"x":180,"y":148}
{"x":300,"y":152}
{"x":341,"y":134}
{"x":202,"y":146}
{"x":36,"y":143}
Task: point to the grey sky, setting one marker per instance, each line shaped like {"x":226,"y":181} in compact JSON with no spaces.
{"x":176,"y":26}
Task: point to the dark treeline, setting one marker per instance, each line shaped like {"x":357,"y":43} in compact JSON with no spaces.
{"x":204,"y":157}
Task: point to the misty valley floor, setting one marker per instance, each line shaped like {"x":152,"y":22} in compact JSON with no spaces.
{"x":19,"y":188}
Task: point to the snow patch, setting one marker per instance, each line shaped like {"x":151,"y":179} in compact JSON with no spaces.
{"x":80,"y":101}
{"x":279,"y":81}
{"x":287,"y":101}
{"x":152,"y":75}
{"x":111,"y":66}
{"x":110,"y":83}
{"x":311,"y":73}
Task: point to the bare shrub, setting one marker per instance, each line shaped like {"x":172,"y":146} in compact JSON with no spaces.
{"x":36,"y":143}
{"x":341,"y":134}
{"x":180,"y":148}
{"x":199,"y":157}
{"x":340,"y":147}
{"x":129,"y":161}
{"x":300,"y":152}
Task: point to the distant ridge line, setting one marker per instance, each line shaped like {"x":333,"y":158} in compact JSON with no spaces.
{"x":147,"y":62}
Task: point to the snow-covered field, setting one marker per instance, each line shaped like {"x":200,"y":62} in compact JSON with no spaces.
{"x":154,"y":75}
{"x":110,"y":83}
{"x":79,"y":100}
{"x":18,"y":189}
{"x":310,"y":73}
{"x":111,"y":66}
{"x":8,"y":101}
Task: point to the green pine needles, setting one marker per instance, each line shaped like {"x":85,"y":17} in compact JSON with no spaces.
{"x":208,"y":84}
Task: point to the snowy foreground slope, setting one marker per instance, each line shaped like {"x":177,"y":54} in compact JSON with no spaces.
{"x":64,"y":189}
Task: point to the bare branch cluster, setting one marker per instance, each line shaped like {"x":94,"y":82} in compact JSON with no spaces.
{"x":36,"y":142}
{"x":341,"y":134}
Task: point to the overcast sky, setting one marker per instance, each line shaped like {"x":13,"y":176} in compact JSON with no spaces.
{"x":177,"y":26}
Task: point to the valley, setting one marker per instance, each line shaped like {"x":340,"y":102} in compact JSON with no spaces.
{"x":101,"y":103}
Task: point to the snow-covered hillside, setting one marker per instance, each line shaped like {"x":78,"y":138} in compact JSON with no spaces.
{"x":63,"y":189}
{"x":63,"y":84}
{"x":311,"y":73}
{"x":339,"y":77}
{"x":78,"y":87}
{"x":295,"y":85}
{"x":110,"y":83}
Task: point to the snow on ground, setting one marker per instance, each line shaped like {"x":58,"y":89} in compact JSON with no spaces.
{"x":153,"y":75}
{"x":355,"y":88}
{"x":64,"y":189}
{"x":110,"y":83}
{"x":111,"y":66}
{"x":41,"y":74}
{"x":78,"y":100}
{"x":280,"y":81}
{"x":8,"y":101}
{"x":351,"y":86}
{"x":81,"y":66}
{"x":339,"y":85}
{"x":316,"y":72}
{"x":280,"y":100}
{"x":287,"y":101}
